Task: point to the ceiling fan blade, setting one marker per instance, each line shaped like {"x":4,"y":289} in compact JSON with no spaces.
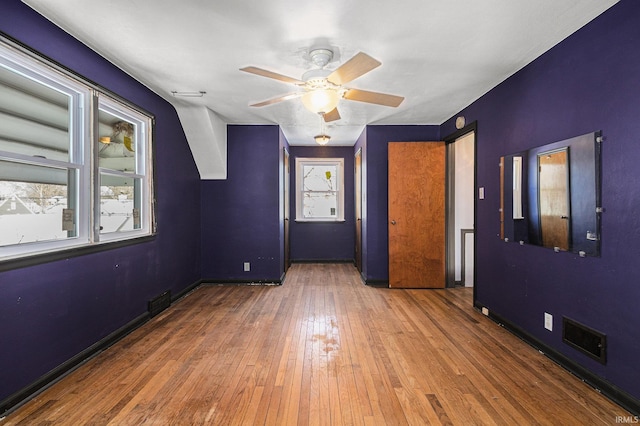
{"x":373,"y":97}
{"x":353,"y":68}
{"x":332,"y":115}
{"x":270,"y":74}
{"x":278,"y":99}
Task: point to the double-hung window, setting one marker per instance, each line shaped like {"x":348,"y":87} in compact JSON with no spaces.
{"x":319,"y":189}
{"x":75,"y":165}
{"x":122,"y":184}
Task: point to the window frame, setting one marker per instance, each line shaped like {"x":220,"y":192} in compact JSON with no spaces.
{"x":300,"y":191}
{"x":143,"y":167}
{"x":82,"y":157}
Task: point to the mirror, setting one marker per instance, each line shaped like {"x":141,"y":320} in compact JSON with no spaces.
{"x":550,"y":195}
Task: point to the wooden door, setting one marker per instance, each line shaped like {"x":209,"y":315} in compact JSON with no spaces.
{"x":553,"y":178}
{"x":417,"y":214}
{"x":358,"y":208}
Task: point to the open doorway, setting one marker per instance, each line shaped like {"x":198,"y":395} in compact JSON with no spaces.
{"x":358,"y":208}
{"x":461,"y":183}
{"x":287,"y":208}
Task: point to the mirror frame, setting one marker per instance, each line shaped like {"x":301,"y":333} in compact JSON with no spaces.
{"x":585,"y":198}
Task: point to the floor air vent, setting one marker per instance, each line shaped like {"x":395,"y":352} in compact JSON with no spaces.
{"x":585,"y":339}
{"x":160,"y":303}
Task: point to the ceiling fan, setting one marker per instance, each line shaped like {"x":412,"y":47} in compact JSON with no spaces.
{"x":322,"y":89}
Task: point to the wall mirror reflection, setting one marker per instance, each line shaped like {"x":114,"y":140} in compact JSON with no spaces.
{"x":550,"y":195}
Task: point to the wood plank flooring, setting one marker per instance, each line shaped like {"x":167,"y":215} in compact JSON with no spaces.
{"x":322,"y":349}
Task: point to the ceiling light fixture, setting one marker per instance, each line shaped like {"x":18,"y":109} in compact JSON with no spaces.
{"x":321,"y":96}
{"x":321,"y":101}
{"x":322,"y":89}
{"x":322,"y":139}
{"x":188,"y":94}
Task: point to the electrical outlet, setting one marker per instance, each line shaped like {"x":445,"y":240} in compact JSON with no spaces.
{"x":548,"y":321}
{"x":485,"y":311}
{"x":247,"y":266}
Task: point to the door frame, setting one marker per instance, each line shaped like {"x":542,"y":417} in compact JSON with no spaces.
{"x":286,"y":172}
{"x":358,"y":194}
{"x":450,"y":204}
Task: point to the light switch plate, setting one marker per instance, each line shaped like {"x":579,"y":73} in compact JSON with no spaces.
{"x":481,"y":193}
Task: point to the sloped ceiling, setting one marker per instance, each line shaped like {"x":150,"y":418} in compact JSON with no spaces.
{"x":441,"y":55}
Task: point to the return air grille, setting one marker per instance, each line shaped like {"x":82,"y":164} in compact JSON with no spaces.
{"x":159,"y":303}
{"x":585,"y":339}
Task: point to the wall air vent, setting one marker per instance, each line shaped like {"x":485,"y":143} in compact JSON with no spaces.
{"x":585,"y":339}
{"x":159,"y":303}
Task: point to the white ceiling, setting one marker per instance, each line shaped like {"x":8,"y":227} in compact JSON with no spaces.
{"x":441,"y":55}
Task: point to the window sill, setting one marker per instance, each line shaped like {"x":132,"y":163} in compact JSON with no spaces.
{"x":320,"y":220}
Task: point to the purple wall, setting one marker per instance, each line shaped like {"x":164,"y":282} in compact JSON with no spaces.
{"x":375,"y":176}
{"x":241,"y":215}
{"x":325,"y":240}
{"x":51,"y":312}
{"x":586,"y":83}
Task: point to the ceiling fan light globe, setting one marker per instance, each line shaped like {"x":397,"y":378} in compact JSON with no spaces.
{"x":321,"y":101}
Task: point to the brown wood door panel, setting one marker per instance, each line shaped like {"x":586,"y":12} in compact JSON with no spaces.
{"x":553,"y":169}
{"x":417,"y":214}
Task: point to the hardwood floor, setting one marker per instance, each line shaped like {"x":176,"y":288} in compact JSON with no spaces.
{"x":323,"y":348}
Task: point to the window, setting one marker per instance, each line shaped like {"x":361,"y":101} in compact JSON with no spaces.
{"x":320,"y":189}
{"x":74,"y":161}
{"x":123,"y":187}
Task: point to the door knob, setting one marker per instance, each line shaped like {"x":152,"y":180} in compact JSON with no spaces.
{"x":393,"y":222}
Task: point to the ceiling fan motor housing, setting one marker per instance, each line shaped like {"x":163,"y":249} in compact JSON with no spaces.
{"x":321,"y":57}
{"x":316,"y":78}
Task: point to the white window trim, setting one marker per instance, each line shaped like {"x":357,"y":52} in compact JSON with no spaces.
{"x":300,"y":162}
{"x":82,"y":154}
{"x":143,"y":167}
